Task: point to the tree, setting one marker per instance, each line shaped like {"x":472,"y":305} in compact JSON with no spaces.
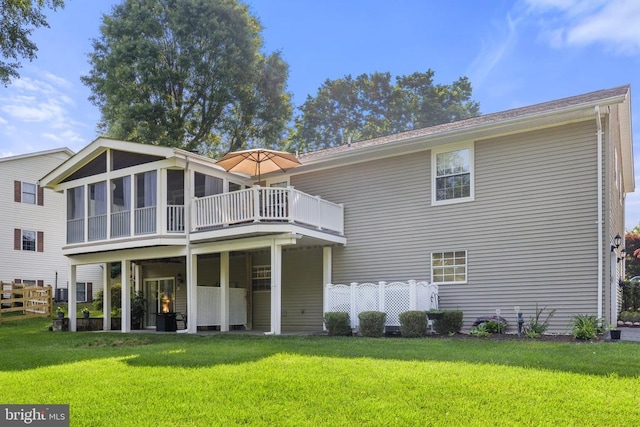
{"x":18,"y":19}
{"x":370,"y":106}
{"x":632,"y":252}
{"x":188,"y":74}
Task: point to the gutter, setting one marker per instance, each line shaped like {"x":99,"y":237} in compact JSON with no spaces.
{"x":600,"y":204}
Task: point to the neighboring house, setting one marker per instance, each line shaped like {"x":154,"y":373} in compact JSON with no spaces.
{"x":31,"y":234}
{"x":512,"y":209}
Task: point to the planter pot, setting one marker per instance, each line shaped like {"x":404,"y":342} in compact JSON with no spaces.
{"x":615,"y":334}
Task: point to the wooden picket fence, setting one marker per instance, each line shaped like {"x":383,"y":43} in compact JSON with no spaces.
{"x":25,"y":300}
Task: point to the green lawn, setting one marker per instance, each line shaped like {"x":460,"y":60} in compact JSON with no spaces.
{"x":112,"y":379}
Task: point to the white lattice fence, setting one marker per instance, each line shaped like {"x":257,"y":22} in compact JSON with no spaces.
{"x":392,"y":298}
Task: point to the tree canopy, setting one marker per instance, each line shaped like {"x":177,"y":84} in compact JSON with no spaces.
{"x":370,"y":106}
{"x":189,"y":74}
{"x":18,"y":19}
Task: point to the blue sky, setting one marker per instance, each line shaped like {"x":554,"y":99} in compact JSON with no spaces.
{"x":515,"y":52}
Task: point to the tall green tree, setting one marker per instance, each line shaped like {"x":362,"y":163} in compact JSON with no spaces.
{"x":371,"y":105}
{"x":18,"y":19}
{"x":188,"y":74}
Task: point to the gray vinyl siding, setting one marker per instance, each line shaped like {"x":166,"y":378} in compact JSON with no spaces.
{"x":302,"y":290}
{"x":531,"y":232}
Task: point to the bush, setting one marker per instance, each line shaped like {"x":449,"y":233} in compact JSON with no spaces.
{"x":372,"y":323}
{"x":626,"y":316}
{"x":337,"y":323}
{"x":495,"y":327}
{"x":586,"y":327}
{"x":116,"y":297}
{"x":536,"y":326}
{"x":480,"y":331}
{"x":450,"y":323}
{"x":413,"y":324}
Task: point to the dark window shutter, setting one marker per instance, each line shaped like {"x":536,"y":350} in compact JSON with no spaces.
{"x":89,"y":296}
{"x":40,"y":196}
{"x":17,"y":191}
{"x":40,"y":282}
{"x":40,"y":244}
{"x":17,"y":239}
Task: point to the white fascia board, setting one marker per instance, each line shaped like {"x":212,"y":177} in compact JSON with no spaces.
{"x":128,"y":254}
{"x":243,"y":244}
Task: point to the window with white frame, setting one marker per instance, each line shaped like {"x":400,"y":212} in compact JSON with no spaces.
{"x":29,"y":193}
{"x":28,"y":240}
{"x":449,"y":267}
{"x":261,"y":278}
{"x":452,"y":174}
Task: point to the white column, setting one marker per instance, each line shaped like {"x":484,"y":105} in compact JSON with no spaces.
{"x":72,"y":305}
{"x":327,"y":267}
{"x":125,"y":271}
{"x":276,"y":288}
{"x":192,"y":294}
{"x":224,"y":291}
{"x":106,"y":297}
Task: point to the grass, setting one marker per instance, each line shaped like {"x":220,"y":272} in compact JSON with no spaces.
{"x":111,"y":379}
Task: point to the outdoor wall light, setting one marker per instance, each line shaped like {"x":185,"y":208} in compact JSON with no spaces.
{"x":617,"y":241}
{"x":180,"y":278}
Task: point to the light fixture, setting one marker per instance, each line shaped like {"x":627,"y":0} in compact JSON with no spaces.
{"x":180,"y":279}
{"x":617,"y":241}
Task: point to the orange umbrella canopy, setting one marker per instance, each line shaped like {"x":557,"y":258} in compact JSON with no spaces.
{"x":258,"y":161}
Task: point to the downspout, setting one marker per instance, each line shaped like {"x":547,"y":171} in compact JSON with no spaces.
{"x":600,"y":221}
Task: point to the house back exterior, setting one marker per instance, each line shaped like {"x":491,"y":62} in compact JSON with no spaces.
{"x":512,"y":209}
{"x":32,"y":234}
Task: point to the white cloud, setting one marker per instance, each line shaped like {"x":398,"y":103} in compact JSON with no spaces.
{"x":494,"y":50}
{"x":612,"y":24}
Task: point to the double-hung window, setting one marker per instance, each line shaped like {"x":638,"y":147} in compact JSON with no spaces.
{"x":28,"y":240}
{"x":449,"y":267}
{"x":261,"y":278}
{"x":28,"y":193}
{"x":452,"y":174}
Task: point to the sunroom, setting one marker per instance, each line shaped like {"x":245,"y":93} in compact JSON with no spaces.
{"x":139,"y":204}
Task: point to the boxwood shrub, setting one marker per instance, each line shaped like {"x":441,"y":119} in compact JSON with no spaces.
{"x":372,"y":323}
{"x":450,"y":323}
{"x":337,"y":323}
{"x":413,"y":324}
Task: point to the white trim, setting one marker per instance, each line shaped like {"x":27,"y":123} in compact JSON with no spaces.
{"x":470,"y":145}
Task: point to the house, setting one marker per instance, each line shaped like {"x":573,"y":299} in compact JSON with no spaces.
{"x":513,"y":209}
{"x":31,"y":232}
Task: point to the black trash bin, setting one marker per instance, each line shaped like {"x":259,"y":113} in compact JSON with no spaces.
{"x":166,"y":322}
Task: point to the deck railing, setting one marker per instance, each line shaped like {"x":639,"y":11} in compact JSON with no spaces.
{"x":145,"y":220}
{"x":259,"y":204}
{"x":252,"y":205}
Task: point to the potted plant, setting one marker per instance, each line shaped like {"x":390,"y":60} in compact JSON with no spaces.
{"x":614,"y":333}
{"x":60,"y":312}
{"x":85,"y":313}
{"x":138,"y":310}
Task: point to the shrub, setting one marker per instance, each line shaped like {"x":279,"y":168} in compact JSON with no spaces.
{"x":480,"y":331}
{"x":372,"y":323}
{"x":494,"y":327}
{"x":413,"y":324}
{"x":116,"y":297}
{"x":626,"y":316}
{"x":450,"y":323}
{"x":337,"y":323}
{"x":536,"y":326}
{"x":586,"y":327}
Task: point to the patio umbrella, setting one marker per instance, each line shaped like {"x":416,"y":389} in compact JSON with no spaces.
{"x":257,"y":161}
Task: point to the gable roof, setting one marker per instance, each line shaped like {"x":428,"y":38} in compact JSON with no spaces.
{"x":565,"y":110}
{"x":101,"y":144}
{"x":63,"y":150}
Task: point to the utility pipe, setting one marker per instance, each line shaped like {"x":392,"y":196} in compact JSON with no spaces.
{"x":600,"y":204}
